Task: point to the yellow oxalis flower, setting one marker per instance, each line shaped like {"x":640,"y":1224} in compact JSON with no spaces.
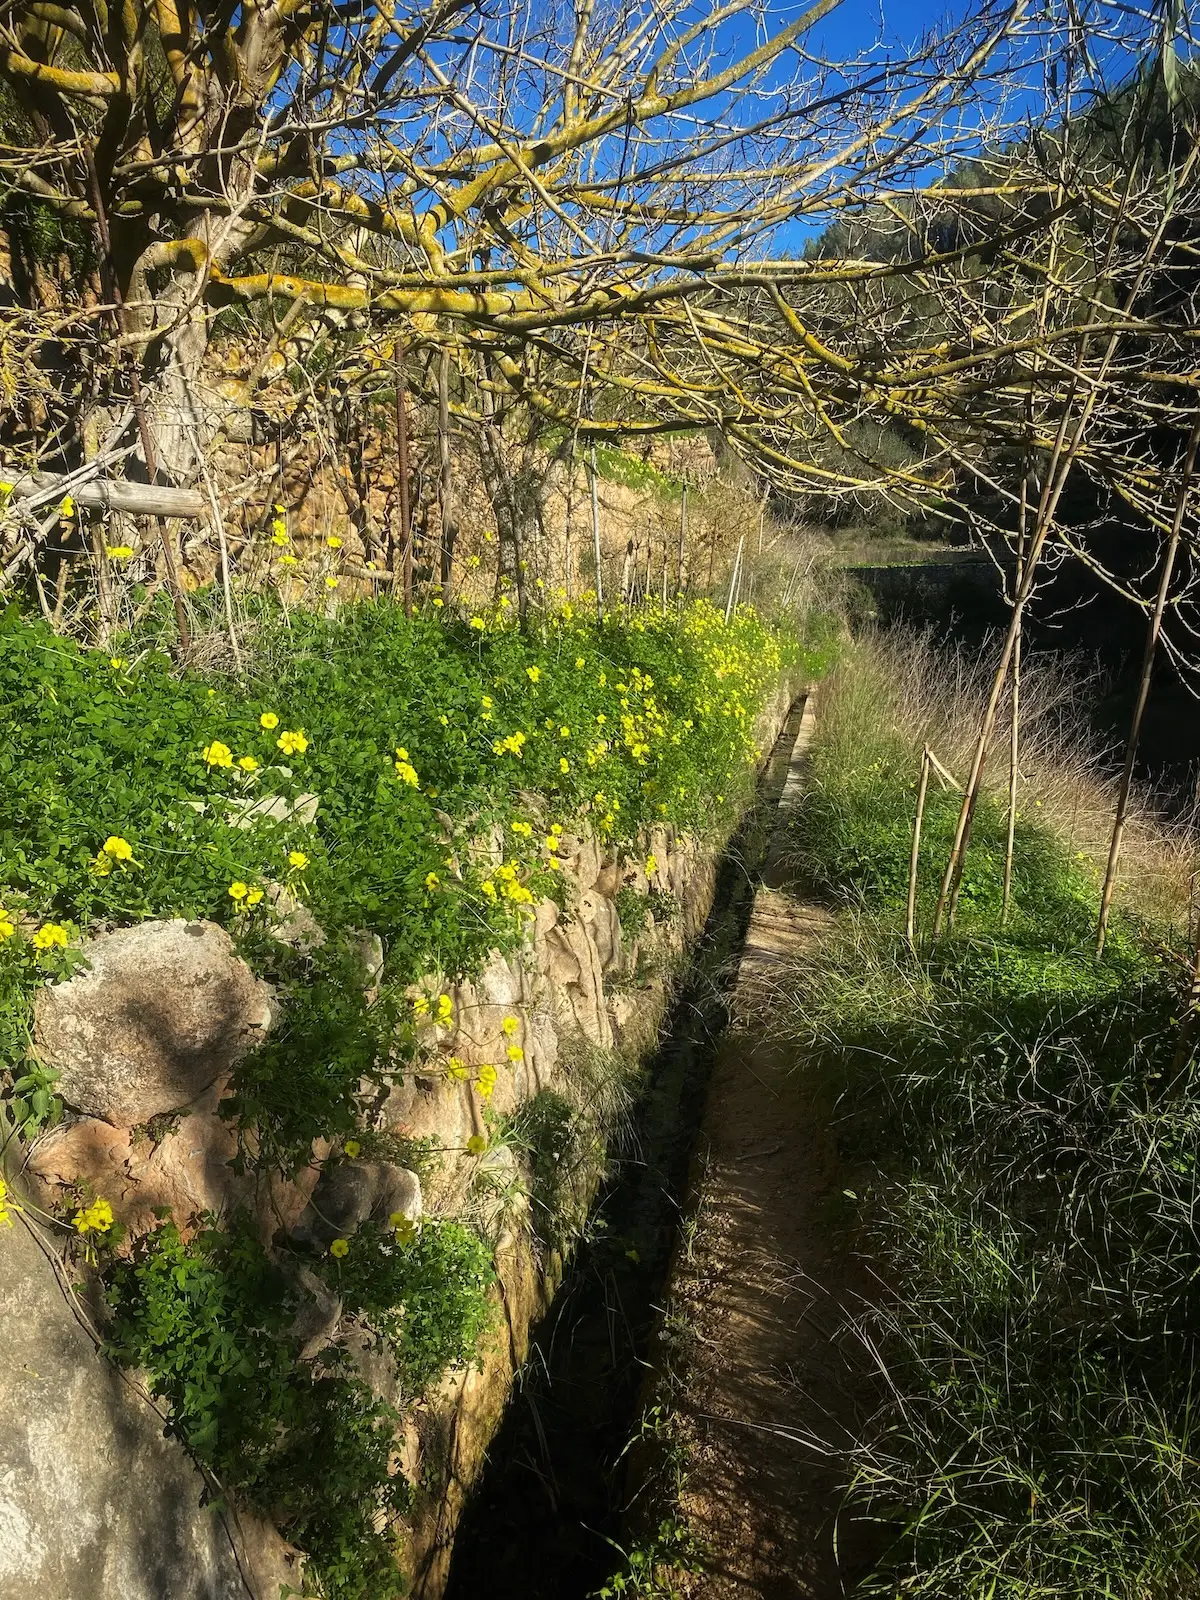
{"x":525,"y":829}
{"x":297,"y":859}
{"x":563,"y":764}
{"x":66,"y":506}
{"x":248,"y":763}
{"x":456,"y":1068}
{"x":334,"y":542}
{"x":96,"y":1218}
{"x":268,"y":720}
{"x":432,"y":880}
{"x":421,"y":1006}
{"x":488,"y":888}
{"x":485,"y":1081}
{"x":118,"y":552}
{"x":478,"y":624}
{"x":119,"y":849}
{"x":352,"y":1148}
{"x":292,"y":743}
{"x":7,"y":1205}
{"x":510,"y":1025}
{"x":339,"y":1248}
{"x":445,"y":1009}
{"x":476,"y":1144}
{"x":651,"y":865}
{"x":50,"y":936}
{"x":533,"y":673}
{"x":403,"y":1227}
{"x":7,"y":926}
{"x":515,"y":1053}
{"x":406,"y":772}
{"x":238,"y":890}
{"x":217,"y":754}
{"x":331,"y":583}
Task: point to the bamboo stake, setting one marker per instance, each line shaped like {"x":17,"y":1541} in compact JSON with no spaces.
{"x":1014,"y":736}
{"x":682,"y":546}
{"x":445,"y":477}
{"x":1153,"y":633}
{"x":596,"y":536}
{"x":734,"y":578}
{"x":406,"y":551}
{"x":910,"y":920}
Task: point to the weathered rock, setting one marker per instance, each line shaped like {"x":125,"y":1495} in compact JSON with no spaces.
{"x":273,"y":808}
{"x":318,"y":1315}
{"x":291,"y":922}
{"x":163,"y":1010}
{"x":95,"y":1504}
{"x":354,"y":1192}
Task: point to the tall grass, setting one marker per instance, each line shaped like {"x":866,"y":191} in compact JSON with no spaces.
{"x":1023,"y":1162}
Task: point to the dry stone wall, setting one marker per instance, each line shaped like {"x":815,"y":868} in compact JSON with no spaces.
{"x":146,"y":1041}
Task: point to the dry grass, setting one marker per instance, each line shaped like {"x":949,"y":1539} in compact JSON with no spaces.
{"x":934,"y":693}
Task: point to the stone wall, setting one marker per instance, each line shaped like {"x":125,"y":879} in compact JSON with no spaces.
{"x":146,"y":1041}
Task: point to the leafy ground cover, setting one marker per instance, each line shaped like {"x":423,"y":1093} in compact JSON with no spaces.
{"x":129,"y":790}
{"x":1020,"y":1127}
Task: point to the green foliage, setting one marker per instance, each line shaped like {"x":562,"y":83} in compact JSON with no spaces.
{"x":564,"y":1150}
{"x":651,"y":1569}
{"x":647,"y":717}
{"x":209,"y":1322}
{"x":1024,"y":1166}
{"x":32,"y":1102}
{"x":426,"y":1296}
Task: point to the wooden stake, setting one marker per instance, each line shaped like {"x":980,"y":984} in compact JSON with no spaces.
{"x":406,"y":551}
{"x":596,"y":536}
{"x":910,"y":921}
{"x":445,"y":477}
{"x":1153,"y":632}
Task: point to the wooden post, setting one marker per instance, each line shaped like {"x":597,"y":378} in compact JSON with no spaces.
{"x":596,"y":538}
{"x":1153,"y":632}
{"x":406,"y":552}
{"x":910,"y":921}
{"x":445,"y":476}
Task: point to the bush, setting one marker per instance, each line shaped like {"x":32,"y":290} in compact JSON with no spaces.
{"x":208,"y":1321}
{"x":1024,"y":1157}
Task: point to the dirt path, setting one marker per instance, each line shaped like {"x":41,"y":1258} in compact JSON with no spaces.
{"x":762,"y":1290}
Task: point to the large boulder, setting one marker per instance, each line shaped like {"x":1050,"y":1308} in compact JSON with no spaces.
{"x":354,"y":1192}
{"x":160,"y":1012}
{"x":95,"y":1504}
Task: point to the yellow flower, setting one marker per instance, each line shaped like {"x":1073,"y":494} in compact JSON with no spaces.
{"x":297,"y":859}
{"x":533,"y":673}
{"x":331,"y":583}
{"x":217,"y":754}
{"x":403,"y":1227}
{"x":118,"y":552}
{"x":7,"y":1205}
{"x":551,"y":843}
{"x":96,"y":1218}
{"x":564,"y":732}
{"x":7,"y":926}
{"x":651,"y":865}
{"x":488,"y":888}
{"x":486,"y":702}
{"x":421,"y":1006}
{"x":6,"y":488}
{"x":510,"y":1025}
{"x":478,"y":624}
{"x":438,"y":602}
{"x":50,"y":936}
{"x":288,"y":561}
{"x":485,"y":1081}
{"x":432,"y":880}
{"x":456,"y":1068}
{"x":334,"y":542}
{"x":523,"y":828}
{"x":352,"y":1148}
{"x":476,"y":1144}
{"x":117,"y":663}
{"x":268,"y":720}
{"x":66,"y":506}
{"x":238,"y":890}
{"x":407,"y":774}
{"x":339,"y":1248}
{"x":279,"y":537}
{"x":563,"y":764}
{"x":292,"y":744}
{"x":445,"y":1009}
{"x":248,"y":763}
{"x":253,"y":896}
{"x":579,"y":663}
{"x":515,"y":1053}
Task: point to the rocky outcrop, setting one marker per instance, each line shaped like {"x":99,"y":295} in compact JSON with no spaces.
{"x":156,"y":1015}
{"x":95,"y":1504}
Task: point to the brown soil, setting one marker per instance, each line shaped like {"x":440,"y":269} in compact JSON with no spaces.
{"x":769,"y":1392}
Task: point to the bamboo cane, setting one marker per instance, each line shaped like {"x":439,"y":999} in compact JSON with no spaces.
{"x":910,"y":921}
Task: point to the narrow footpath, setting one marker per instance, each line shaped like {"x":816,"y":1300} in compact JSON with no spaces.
{"x":760,"y":1286}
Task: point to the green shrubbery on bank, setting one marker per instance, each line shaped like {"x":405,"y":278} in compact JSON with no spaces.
{"x":129,"y":790}
{"x":1022,"y":1149}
